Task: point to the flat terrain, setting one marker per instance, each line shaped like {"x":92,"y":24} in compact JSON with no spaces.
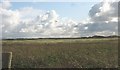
{"x":57,"y":53}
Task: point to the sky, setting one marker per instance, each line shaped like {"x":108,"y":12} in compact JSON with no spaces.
{"x":64,"y":9}
{"x":58,"y":19}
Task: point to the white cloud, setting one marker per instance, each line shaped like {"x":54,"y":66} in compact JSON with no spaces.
{"x":5,"y":4}
{"x":30,"y":22}
{"x":105,"y":18}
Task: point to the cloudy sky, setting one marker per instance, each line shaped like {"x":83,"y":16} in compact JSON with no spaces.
{"x":58,"y":19}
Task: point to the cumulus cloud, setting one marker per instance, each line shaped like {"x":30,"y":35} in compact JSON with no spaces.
{"x":5,"y":4}
{"x":104,"y":16}
{"x":104,"y":11}
{"x":20,"y":23}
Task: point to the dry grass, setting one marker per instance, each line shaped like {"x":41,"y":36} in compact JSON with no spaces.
{"x":65,"y":53}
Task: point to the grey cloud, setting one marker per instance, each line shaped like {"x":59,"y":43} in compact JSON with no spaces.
{"x":96,"y":14}
{"x":102,"y":20}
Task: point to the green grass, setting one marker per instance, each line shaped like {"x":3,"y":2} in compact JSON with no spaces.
{"x":63,"y":53}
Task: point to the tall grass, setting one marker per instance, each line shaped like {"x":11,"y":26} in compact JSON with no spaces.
{"x":66,"y":53}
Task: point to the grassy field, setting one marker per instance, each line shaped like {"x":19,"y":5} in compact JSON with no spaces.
{"x":63,"y":53}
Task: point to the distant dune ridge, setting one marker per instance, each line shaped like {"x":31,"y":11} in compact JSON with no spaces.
{"x":95,"y":36}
